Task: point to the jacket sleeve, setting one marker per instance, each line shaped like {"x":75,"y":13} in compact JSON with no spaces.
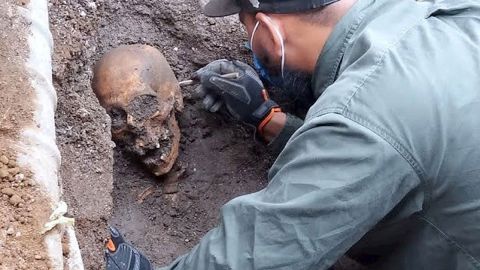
{"x":332,"y":183}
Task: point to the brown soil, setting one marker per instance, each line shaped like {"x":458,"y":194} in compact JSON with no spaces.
{"x":83,"y":128}
{"x":16,"y":110}
{"x":23,"y":208}
{"x":218,"y":159}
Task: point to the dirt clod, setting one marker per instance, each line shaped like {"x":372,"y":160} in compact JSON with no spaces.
{"x":14,"y":171}
{"x":15,"y":200}
{"x":10,"y":230}
{"x":4,"y":160}
{"x":8,"y":191}
{"x":19,"y":177}
{"x":4,"y":172}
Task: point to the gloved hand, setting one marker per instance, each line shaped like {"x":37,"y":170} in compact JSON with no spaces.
{"x":120,"y":255}
{"x":244,"y":96}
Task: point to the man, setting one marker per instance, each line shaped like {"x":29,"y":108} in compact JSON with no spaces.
{"x":386,"y":165}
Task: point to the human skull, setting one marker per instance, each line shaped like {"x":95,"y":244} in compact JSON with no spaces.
{"x":139,"y":91}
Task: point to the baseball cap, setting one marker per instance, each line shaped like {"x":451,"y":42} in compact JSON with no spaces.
{"x":221,"y":8}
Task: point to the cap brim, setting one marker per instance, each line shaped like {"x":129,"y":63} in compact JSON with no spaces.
{"x":221,"y":8}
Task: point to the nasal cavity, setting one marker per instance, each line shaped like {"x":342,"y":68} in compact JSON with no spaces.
{"x":143,"y":107}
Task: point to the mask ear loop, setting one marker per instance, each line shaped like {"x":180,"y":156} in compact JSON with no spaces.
{"x":277,"y":30}
{"x":253,"y":34}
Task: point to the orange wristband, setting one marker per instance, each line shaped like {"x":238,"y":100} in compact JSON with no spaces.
{"x":267,"y":119}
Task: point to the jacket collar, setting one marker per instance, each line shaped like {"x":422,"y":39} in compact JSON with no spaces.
{"x":328,"y":63}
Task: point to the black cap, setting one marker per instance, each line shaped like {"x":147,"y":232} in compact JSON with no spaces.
{"x":221,"y":8}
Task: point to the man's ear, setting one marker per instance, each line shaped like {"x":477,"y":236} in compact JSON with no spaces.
{"x":274,"y":33}
{"x":248,"y":20}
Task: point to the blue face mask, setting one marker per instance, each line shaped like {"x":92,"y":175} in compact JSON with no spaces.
{"x":260,"y":67}
{"x":286,"y":80}
{"x":296,"y":85}
{"x":273,"y":80}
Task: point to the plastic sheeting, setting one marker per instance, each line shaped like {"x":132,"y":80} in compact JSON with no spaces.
{"x":39,"y":152}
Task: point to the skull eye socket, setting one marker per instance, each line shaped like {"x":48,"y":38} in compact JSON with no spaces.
{"x":119,"y":118}
{"x":143,"y":107}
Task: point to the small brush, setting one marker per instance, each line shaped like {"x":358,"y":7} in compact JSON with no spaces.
{"x":233,"y":75}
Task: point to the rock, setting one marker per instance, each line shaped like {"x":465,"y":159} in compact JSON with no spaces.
{"x":10,"y":230}
{"x":4,"y":160}
{"x":211,"y":21}
{"x":14,"y":171}
{"x":8,"y":191}
{"x":38,"y":257}
{"x":92,"y":5}
{"x":65,"y":249}
{"x":12,"y":164}
{"x":3,"y":173}
{"x":83,"y":113}
{"x":29,"y":183}
{"x":170,"y":188}
{"x":15,"y":200}
{"x":19,"y":177}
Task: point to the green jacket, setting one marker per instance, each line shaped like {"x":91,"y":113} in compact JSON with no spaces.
{"x":387,"y":164}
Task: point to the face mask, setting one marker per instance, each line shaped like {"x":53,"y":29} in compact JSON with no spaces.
{"x":296,"y":85}
{"x":255,"y":58}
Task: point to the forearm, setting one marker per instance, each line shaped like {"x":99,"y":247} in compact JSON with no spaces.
{"x":274,"y":126}
{"x":279,"y":130}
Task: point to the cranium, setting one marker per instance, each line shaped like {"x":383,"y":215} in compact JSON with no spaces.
{"x":139,"y":91}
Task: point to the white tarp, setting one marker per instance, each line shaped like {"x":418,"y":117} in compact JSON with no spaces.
{"x":38,"y":150}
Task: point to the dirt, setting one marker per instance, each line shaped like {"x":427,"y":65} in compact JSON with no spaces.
{"x":218,"y":160}
{"x":23,"y":207}
{"x":83,"y":130}
{"x":14,"y":82}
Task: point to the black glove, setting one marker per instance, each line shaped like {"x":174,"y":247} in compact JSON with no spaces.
{"x":123,"y":256}
{"x":244,"y":96}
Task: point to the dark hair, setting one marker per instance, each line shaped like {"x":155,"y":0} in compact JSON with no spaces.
{"x":321,"y":16}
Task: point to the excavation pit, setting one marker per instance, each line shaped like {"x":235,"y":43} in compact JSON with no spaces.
{"x":218,"y":159}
